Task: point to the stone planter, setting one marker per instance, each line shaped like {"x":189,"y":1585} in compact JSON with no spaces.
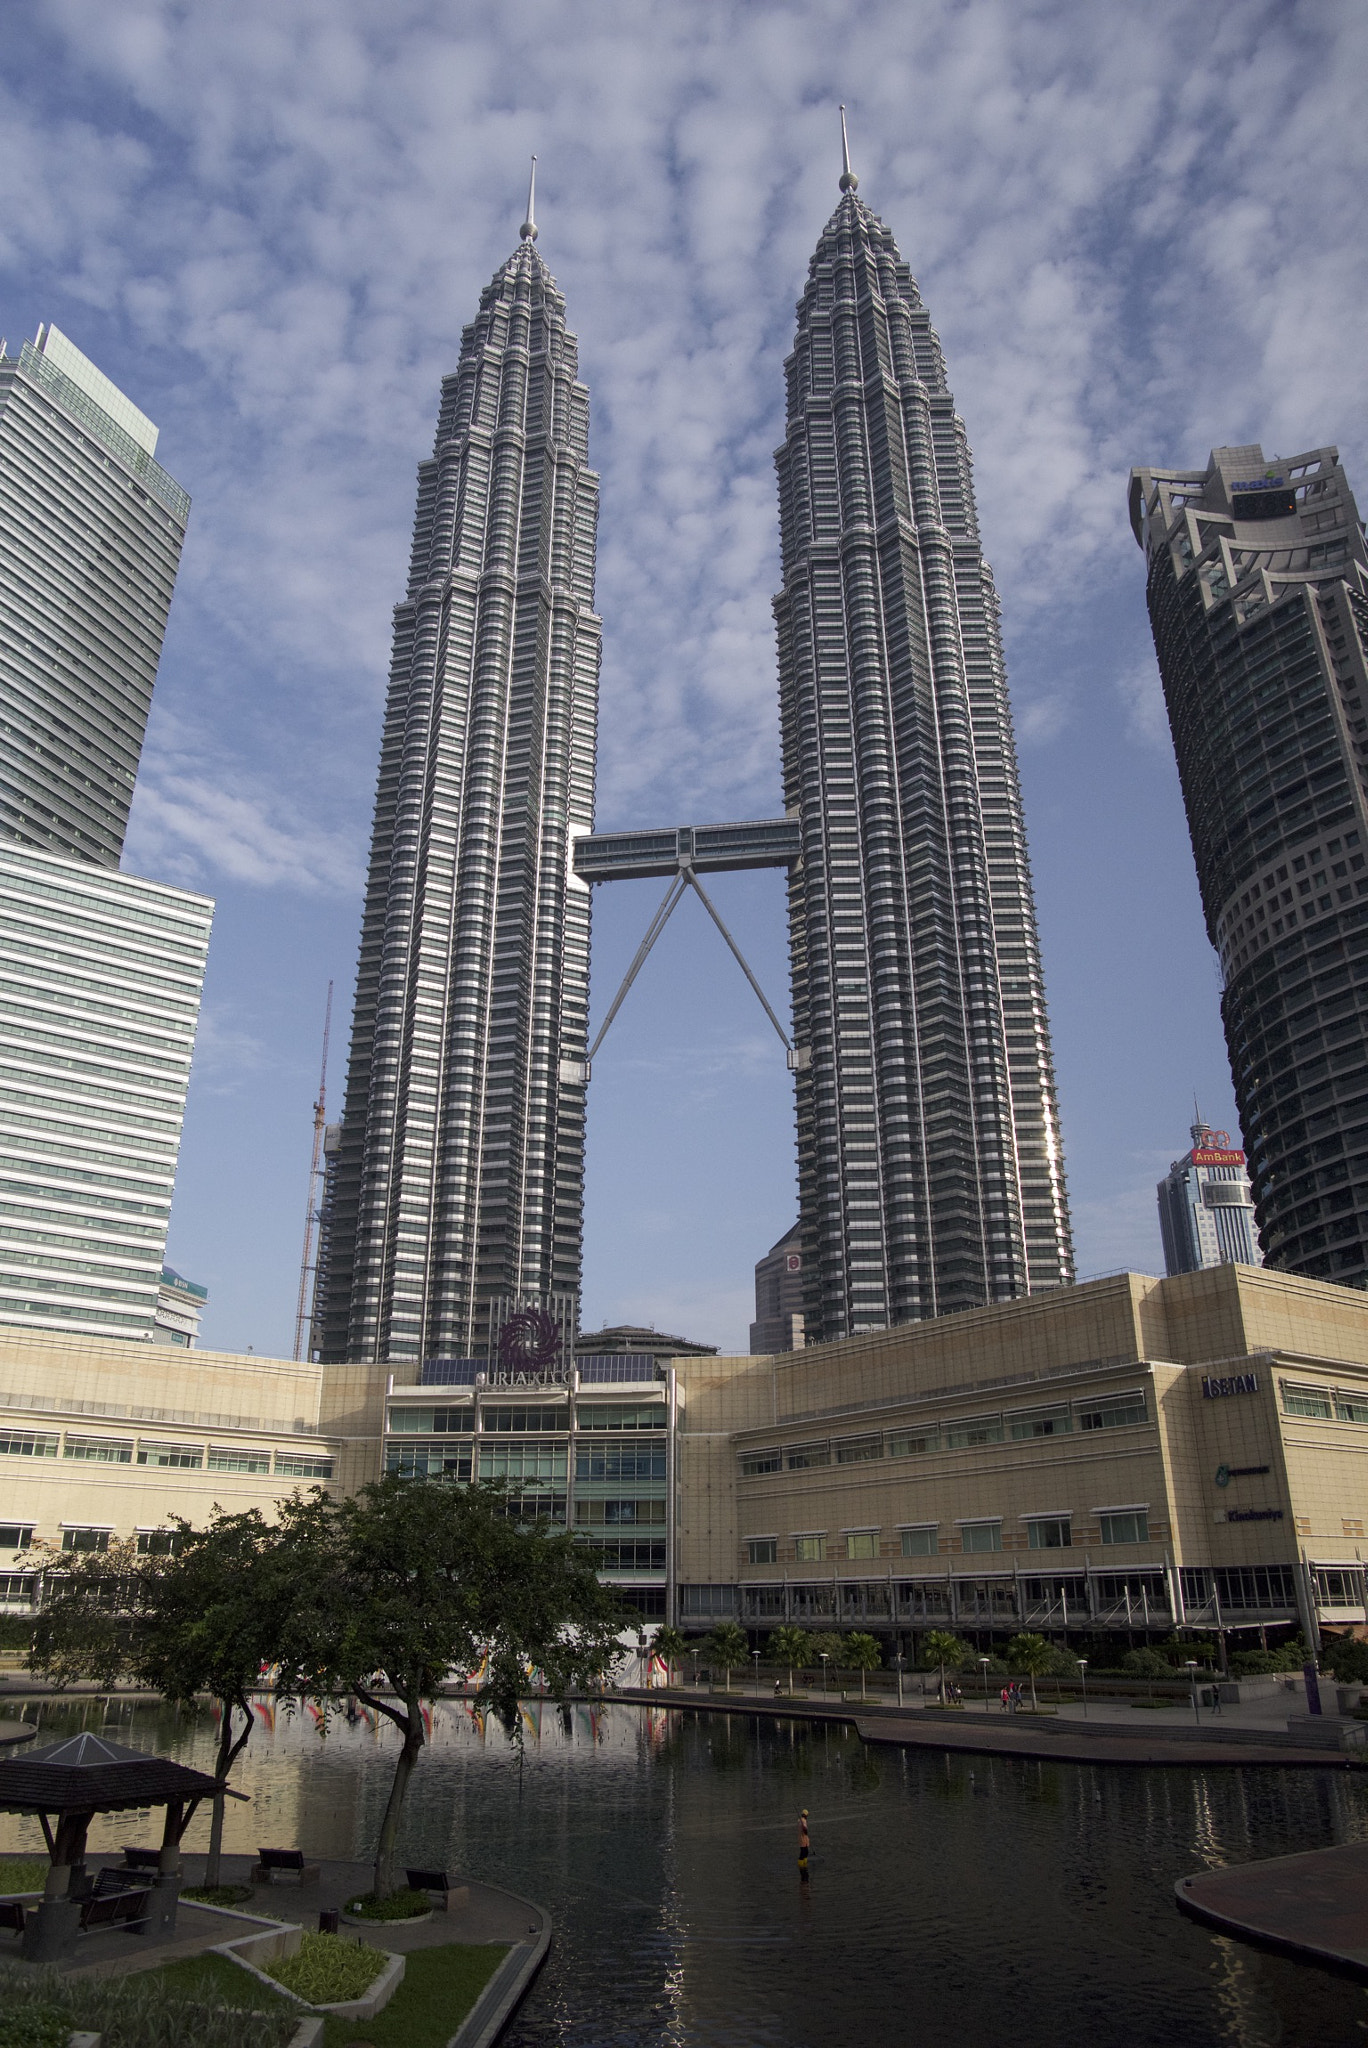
{"x":254,"y":1949}
{"x":409,"y":1919}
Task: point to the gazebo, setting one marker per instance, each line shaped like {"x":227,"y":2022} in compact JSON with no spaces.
{"x":66,"y":1785}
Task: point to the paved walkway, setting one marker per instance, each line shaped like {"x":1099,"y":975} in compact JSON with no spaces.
{"x":1065,"y":1738}
{"x":1314,"y":1905}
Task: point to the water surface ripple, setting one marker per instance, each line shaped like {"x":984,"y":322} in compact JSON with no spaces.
{"x":988,"y":1900}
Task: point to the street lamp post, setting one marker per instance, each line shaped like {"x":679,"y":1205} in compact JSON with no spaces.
{"x":983,"y":1667}
{"x":756,"y":1655}
{"x":694,"y":1655}
{"x":1083,"y":1667}
{"x":826,"y":1657}
{"x":898,"y":1667}
{"x":1191,"y":1663}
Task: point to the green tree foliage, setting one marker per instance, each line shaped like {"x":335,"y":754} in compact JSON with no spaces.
{"x":861,"y":1652}
{"x":790,"y":1647}
{"x":1146,"y":1664}
{"x":943,"y":1650}
{"x":1031,"y":1655}
{"x":1345,"y":1659}
{"x":202,"y":1620}
{"x":670,"y":1646}
{"x":409,"y":1579}
{"x":727,"y":1647}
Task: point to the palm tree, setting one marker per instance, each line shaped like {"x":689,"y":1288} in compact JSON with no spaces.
{"x":728,"y":1647}
{"x":1032,"y":1655}
{"x":790,"y":1646}
{"x":945,"y":1650}
{"x":862,"y":1654}
{"x":669,"y":1644}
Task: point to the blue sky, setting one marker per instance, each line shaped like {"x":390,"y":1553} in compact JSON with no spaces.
{"x":1139,"y":231}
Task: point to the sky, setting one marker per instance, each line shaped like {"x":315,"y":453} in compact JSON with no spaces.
{"x":1138,"y":228}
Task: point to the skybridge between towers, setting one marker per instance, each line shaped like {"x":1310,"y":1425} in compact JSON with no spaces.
{"x":683,"y":852}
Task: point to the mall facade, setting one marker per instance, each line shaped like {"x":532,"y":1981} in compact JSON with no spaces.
{"x":1130,"y":1456}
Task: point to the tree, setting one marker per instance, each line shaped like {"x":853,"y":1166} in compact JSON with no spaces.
{"x":1033,"y":1656}
{"x":941,"y":1648}
{"x":728,"y":1647}
{"x":669,"y":1644}
{"x":409,"y":1579}
{"x":790,"y":1646}
{"x":861,"y":1653}
{"x":203,"y":1618}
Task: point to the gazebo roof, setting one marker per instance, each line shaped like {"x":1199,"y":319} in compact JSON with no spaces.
{"x":86,"y":1774}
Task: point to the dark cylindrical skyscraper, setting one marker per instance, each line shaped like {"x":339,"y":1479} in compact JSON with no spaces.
{"x":1258,"y":596}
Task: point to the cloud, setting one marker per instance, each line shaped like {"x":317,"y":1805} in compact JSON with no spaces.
{"x":1142,"y":698}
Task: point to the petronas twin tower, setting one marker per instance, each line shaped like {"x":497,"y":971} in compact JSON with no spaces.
{"x":929,"y":1159}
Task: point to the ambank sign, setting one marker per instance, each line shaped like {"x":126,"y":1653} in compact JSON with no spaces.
{"x":1233,"y":1383}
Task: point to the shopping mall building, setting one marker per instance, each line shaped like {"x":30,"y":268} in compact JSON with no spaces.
{"x":1131,"y":1455}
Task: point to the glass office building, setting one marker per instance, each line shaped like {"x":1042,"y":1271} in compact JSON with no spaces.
{"x":1258,"y":599}
{"x":930,"y":1168}
{"x":91,"y":528}
{"x":100,"y":982}
{"x":589,"y":1450}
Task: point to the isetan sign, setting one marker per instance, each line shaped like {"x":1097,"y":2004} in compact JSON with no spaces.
{"x":1232,"y":1383}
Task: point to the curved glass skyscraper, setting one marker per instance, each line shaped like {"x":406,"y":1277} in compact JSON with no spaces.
{"x":1258,"y":597}
{"x":930,"y":1170}
{"x":455,"y":1190}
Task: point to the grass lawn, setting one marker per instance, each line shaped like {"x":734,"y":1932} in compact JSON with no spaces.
{"x":439,"y":1988}
{"x":23,"y":1873}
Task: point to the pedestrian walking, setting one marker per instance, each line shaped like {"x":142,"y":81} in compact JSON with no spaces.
{"x":1006,"y":1699}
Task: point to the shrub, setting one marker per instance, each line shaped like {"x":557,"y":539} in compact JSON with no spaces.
{"x":218,"y":1894}
{"x":1062,"y":1664}
{"x":400,"y":1905}
{"x":36,"y":2026}
{"x":1346,"y":1659}
{"x":131,"y":2012}
{"x":1146,"y":1664}
{"x":22,"y":1874}
{"x":328,"y":1970}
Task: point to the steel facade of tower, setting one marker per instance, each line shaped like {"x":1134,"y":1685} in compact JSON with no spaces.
{"x":930,"y":1167}
{"x":1258,"y":598}
{"x":455,"y":1190}
{"x":91,"y":529}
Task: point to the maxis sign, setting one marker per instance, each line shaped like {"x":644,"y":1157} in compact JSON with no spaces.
{"x":1214,"y":1389}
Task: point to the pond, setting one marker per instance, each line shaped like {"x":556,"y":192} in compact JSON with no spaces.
{"x":986,"y":1899}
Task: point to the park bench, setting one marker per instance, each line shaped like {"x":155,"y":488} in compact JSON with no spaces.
{"x":141,"y":1859}
{"x":12,"y":1915}
{"x":274,"y":1863}
{"x":438,"y":1887}
{"x":120,"y":1908}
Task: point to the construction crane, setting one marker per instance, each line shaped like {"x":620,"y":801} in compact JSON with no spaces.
{"x":314,"y":1211}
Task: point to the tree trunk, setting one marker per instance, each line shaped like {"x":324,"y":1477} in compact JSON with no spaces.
{"x":411,"y":1726}
{"x":228,"y":1753}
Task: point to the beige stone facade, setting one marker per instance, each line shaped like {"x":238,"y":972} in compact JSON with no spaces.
{"x":1131,"y":1454}
{"x":1134,"y":1454}
{"x":101,"y":1438}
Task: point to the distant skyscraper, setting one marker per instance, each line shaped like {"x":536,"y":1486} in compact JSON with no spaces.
{"x":1258,"y":597}
{"x":100,"y":981}
{"x":100,"y":972}
{"x":778,"y":1324}
{"x":1206,"y":1212}
{"x":931,"y":1174}
{"x":90,"y":537}
{"x":455,"y":1191}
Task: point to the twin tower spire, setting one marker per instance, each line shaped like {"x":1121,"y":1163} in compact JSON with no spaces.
{"x":528,"y":231}
{"x":930,"y":1168}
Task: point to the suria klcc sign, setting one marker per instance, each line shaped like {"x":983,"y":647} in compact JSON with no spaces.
{"x":530,"y":1353}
